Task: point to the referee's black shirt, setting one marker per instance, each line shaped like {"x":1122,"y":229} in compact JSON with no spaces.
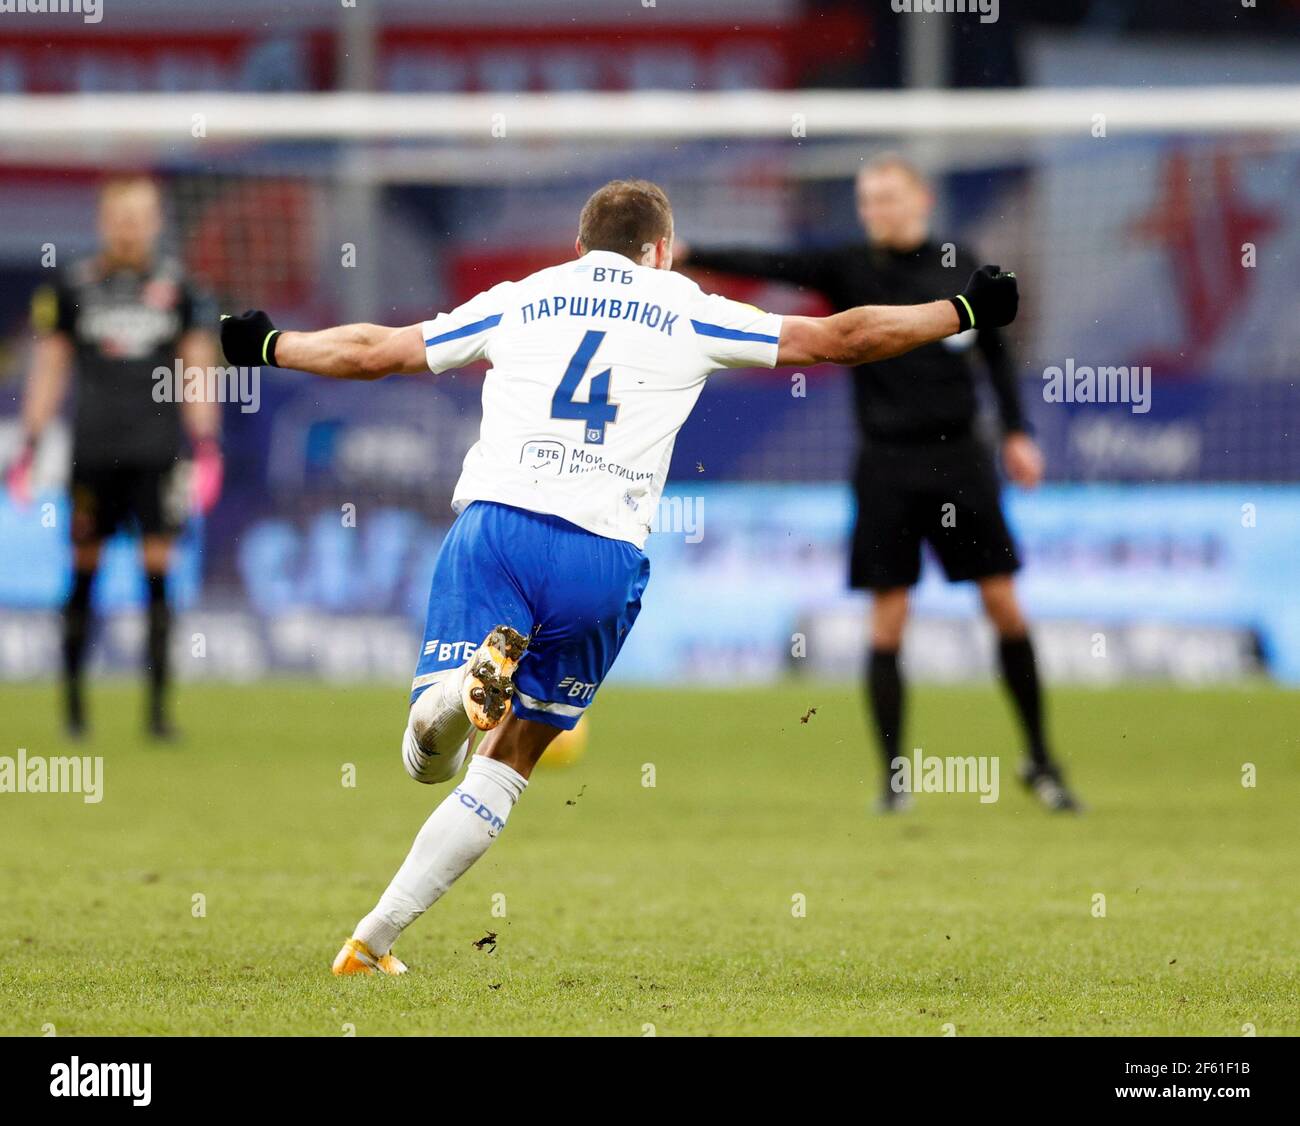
{"x":925,"y":395}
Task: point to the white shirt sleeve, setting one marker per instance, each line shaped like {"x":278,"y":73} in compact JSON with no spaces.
{"x":454,"y":339}
{"x":735,"y":335}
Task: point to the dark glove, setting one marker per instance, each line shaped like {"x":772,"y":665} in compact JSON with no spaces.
{"x":989,"y":300}
{"x":248,"y":340}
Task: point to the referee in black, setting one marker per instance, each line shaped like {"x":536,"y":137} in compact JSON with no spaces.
{"x":922,"y":474}
{"x":112,"y":321}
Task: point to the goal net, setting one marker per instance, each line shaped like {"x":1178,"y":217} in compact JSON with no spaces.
{"x":1151,"y":229}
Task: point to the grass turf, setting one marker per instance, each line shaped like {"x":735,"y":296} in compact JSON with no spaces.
{"x":629,"y":908}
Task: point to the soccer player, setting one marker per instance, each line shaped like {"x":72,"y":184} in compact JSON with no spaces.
{"x":922,"y":474}
{"x":112,"y":320}
{"x":596,"y":364}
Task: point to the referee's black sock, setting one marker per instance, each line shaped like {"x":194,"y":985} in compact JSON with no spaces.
{"x":1020,"y":674}
{"x":76,"y":633}
{"x":156,"y":657}
{"x":885,"y":692}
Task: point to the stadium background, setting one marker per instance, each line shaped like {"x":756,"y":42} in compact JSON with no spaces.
{"x":1173,"y":533}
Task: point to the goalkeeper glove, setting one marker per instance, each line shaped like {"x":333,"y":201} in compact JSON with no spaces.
{"x":248,"y":340}
{"x":989,"y":300}
{"x":208,"y":471}
{"x":18,"y":477}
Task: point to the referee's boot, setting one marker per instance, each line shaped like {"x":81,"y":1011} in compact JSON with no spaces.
{"x":1047,"y":784}
{"x":893,"y":800}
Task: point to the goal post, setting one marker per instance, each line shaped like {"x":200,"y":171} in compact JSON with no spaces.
{"x":663,"y":115}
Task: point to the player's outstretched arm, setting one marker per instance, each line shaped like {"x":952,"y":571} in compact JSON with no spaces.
{"x":877,"y":332}
{"x":359,"y":351}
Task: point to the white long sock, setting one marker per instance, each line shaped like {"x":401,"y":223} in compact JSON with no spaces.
{"x":457,"y":833}
{"x":436,"y":739}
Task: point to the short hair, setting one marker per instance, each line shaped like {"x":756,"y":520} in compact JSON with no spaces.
{"x":625,"y":216}
{"x":127,"y":181}
{"x":891,"y":160}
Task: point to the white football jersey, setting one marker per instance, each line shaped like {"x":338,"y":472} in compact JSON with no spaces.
{"x":595,"y":365}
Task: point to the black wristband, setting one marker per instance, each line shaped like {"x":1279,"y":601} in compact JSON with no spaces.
{"x":965,"y":314}
{"x":249,"y":339}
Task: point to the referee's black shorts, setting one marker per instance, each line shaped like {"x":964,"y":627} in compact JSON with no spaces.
{"x":945,"y":494}
{"x":151,"y":498}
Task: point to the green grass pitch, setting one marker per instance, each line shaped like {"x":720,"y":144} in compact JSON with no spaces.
{"x":670,"y":909}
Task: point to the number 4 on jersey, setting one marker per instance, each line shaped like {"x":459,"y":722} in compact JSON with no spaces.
{"x":597,"y":412}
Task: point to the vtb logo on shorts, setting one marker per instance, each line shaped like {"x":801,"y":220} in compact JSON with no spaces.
{"x":449,"y":650}
{"x":469,"y":801}
{"x":576,"y":689}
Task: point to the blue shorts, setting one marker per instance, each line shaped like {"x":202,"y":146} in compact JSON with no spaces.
{"x":575,"y":592}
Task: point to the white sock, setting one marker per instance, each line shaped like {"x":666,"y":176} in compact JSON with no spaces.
{"x":436,"y":739}
{"x":457,"y":833}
